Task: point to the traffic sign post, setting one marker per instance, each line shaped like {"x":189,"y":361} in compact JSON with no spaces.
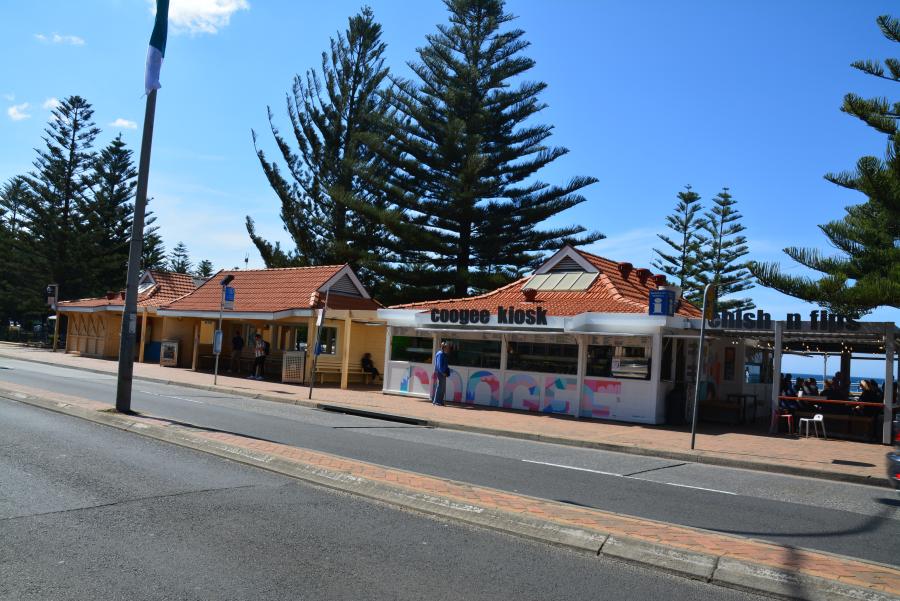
{"x":227,"y":302}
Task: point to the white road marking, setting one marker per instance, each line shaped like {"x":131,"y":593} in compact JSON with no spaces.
{"x":572,"y":467}
{"x":584,"y":469}
{"x":169,"y":396}
{"x":724,"y":492}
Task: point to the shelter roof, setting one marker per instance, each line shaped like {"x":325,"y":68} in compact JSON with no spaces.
{"x":283,"y":289}
{"x":155,"y":288}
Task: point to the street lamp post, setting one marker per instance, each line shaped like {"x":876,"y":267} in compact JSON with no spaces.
{"x":700,"y":365}
{"x":217,"y":340}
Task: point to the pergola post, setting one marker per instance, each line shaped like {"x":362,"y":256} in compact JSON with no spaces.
{"x":143,"y":336}
{"x":888,"y":385}
{"x":345,"y":360}
{"x":776,"y":374}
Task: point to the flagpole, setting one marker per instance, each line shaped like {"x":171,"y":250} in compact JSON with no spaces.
{"x":129,"y":314}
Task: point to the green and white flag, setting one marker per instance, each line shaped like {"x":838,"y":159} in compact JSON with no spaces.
{"x":157,"y":49}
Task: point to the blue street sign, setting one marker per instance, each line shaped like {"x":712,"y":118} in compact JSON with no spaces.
{"x":229,"y":298}
{"x":662,"y":302}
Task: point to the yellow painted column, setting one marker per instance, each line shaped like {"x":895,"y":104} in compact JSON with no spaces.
{"x":196,"y":353}
{"x":143,"y":336}
{"x":345,"y":360}
{"x":310,"y":351}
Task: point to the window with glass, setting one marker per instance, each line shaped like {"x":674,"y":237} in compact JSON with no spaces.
{"x":328,"y":341}
{"x":542,"y":357}
{"x":475,"y":353}
{"x":293,"y":338}
{"x":415,"y":349}
{"x":607,"y":361}
{"x":757,"y":366}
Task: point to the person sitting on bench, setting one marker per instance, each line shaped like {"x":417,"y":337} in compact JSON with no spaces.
{"x":368,"y":366}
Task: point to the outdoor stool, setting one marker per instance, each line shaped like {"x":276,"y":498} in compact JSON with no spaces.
{"x":776,"y":418}
{"x":816,"y":419}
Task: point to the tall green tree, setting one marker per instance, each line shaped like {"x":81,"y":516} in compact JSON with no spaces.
{"x":16,"y":264}
{"x":723,"y":248}
{"x":153,"y":251}
{"x":327,"y":209}
{"x":57,"y":189}
{"x":681,"y":258}
{"x":204,"y":269}
{"x":179,"y":259}
{"x":108,"y":215}
{"x":464,"y":155}
{"x":865,"y":272}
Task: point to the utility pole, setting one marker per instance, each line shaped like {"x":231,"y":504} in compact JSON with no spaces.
{"x":129,"y":313}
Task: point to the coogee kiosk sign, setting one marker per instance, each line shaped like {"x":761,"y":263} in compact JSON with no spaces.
{"x":505,"y":316}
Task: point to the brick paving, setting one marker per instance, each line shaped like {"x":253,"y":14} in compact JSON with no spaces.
{"x":755,"y":449}
{"x":799,"y":561}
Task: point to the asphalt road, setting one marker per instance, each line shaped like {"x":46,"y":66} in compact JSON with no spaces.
{"x":849,"y":519}
{"x":90,"y":512}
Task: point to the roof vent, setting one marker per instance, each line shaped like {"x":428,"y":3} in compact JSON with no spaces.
{"x":625,"y":269}
{"x":643,"y":273}
{"x":122,"y":295}
{"x":110,"y":295}
{"x":530,"y":294}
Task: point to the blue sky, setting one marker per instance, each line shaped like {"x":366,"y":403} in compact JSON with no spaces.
{"x":648,"y":96}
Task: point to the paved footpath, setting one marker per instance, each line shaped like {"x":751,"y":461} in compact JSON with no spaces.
{"x":717,"y":558}
{"x":863,"y":463}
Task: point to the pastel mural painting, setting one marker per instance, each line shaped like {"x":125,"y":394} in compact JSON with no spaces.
{"x":521,"y":392}
{"x":560,"y":394}
{"x":483,"y":388}
{"x":454,"y":390}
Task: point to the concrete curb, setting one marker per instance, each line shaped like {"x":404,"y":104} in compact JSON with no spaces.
{"x":773,"y":468}
{"x":717,"y":569}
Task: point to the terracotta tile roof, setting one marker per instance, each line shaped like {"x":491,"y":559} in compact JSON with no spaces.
{"x":616,"y":290}
{"x":169,"y":286}
{"x":270,"y":291}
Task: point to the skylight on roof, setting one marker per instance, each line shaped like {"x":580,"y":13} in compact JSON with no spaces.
{"x":564,"y":281}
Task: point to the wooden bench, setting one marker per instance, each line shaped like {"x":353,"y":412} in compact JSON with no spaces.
{"x":335,"y":370}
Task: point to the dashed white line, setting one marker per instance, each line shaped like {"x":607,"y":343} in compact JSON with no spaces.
{"x":169,"y":396}
{"x":724,"y":492}
{"x":572,"y":467}
{"x":584,"y":469}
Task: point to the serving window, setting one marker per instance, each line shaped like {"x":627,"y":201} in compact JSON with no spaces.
{"x":475,"y":353}
{"x":542,"y":357}
{"x":415,"y":349}
{"x":613,"y":358}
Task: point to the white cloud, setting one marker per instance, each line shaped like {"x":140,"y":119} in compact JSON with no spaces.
{"x":9,"y":97}
{"x":72,"y":40}
{"x":202,"y":16}
{"x":51,"y":103}
{"x":125,"y":123}
{"x":17,"y":111}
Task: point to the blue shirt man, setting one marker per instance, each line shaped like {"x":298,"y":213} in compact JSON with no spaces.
{"x":441,"y":371}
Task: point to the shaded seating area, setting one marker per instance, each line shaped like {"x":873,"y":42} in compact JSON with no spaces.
{"x":849,"y":419}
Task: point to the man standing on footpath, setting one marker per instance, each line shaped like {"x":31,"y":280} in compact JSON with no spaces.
{"x":259,"y":357}
{"x":441,"y":371}
{"x":237,"y":346}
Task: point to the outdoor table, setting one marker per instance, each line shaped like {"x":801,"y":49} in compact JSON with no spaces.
{"x":815,"y":399}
